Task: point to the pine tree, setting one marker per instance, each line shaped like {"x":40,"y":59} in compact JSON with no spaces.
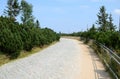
{"x":92,"y":29}
{"x":26,"y":10}
{"x":110,"y":24}
{"x":13,"y":8}
{"x":37,"y":24}
{"x":10,"y":39}
{"x":102,"y":19}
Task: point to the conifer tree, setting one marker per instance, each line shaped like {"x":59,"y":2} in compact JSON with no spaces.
{"x":110,"y":23}
{"x":26,"y":10}
{"x":102,"y":19}
{"x":13,"y":8}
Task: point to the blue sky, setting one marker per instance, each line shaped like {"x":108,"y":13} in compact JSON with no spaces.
{"x":70,"y":15}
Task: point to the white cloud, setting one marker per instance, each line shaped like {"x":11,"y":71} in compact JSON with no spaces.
{"x":117,"y":11}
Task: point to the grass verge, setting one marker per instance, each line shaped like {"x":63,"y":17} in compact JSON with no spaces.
{"x":5,"y":59}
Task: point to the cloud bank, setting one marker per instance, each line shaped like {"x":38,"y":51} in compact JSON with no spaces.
{"x":117,"y":11}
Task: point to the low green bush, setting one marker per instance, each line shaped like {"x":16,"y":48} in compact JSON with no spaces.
{"x":15,"y":37}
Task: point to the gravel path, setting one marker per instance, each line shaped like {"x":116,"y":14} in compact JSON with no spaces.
{"x":67,"y":59}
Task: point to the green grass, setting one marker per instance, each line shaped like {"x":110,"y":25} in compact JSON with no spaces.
{"x":5,"y":59}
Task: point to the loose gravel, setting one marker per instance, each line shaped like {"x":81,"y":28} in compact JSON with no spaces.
{"x":64,"y":60}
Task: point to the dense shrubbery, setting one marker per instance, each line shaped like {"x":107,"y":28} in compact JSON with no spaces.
{"x":15,"y":37}
{"x":108,"y":36}
{"x":10,"y":39}
{"x":110,"y":39}
{"x":105,"y":33}
{"x":71,"y":34}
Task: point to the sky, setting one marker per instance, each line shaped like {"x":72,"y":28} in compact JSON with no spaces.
{"x":69,"y":16}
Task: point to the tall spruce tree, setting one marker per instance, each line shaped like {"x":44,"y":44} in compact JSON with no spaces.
{"x":28,"y":24}
{"x":102,"y":19}
{"x":13,"y":8}
{"x":110,"y":23}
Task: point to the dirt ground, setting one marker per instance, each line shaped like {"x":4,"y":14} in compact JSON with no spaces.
{"x":67,"y":59}
{"x":92,"y":67}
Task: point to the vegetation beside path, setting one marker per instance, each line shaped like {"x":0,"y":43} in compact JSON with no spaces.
{"x":17,"y":36}
{"x":107,"y":37}
{"x":5,"y":59}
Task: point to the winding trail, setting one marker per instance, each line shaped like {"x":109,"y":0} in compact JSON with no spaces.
{"x":67,"y":59}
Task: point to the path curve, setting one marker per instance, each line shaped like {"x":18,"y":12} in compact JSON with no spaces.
{"x":67,"y":59}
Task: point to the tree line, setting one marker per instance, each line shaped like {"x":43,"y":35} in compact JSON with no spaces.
{"x":106,"y":32}
{"x":103,"y":31}
{"x":16,"y":36}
